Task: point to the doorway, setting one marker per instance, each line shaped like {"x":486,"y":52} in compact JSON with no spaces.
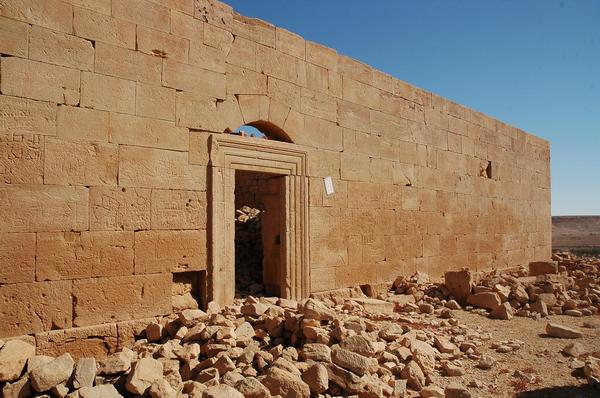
{"x":259,"y":229}
{"x":284,"y":241}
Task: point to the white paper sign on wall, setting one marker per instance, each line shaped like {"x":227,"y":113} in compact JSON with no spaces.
{"x":328,"y":186}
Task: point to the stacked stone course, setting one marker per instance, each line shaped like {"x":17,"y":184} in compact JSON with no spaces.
{"x":106,"y":109}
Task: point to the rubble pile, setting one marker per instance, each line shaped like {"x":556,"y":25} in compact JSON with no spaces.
{"x":261,"y":348}
{"x":248,"y":252}
{"x":569,"y":285}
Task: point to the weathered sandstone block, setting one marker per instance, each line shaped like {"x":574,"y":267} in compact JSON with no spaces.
{"x":178,"y":209}
{"x":21,"y":159}
{"x":13,"y":357}
{"x":102,"y":300}
{"x":116,"y":208}
{"x":13,"y":37}
{"x":155,"y":101}
{"x":82,"y":124}
{"x":52,"y":302}
{"x":17,"y":256}
{"x":157,"y":168}
{"x":32,"y":208}
{"x":23,"y":116}
{"x":322,"y":56}
{"x":53,"y":47}
{"x":142,"y":12}
{"x":107,"y":93}
{"x":170,"y":251}
{"x":76,"y":255}
{"x":127,"y":64}
{"x":207,"y":57}
{"x":102,"y":27}
{"x":32,"y":79}
{"x":193,"y":79}
{"x":543,"y":267}
{"x":52,"y":14}
{"x":141,"y":131}
{"x":92,"y":341}
{"x":80,"y":163}
{"x":161,"y":44}
{"x":205,"y":113}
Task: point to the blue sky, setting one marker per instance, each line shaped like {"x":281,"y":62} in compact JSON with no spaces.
{"x":534,"y":64}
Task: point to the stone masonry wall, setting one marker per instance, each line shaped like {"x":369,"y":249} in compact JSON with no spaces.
{"x":105,"y":111}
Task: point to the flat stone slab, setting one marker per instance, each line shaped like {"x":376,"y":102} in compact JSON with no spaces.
{"x":374,"y":305}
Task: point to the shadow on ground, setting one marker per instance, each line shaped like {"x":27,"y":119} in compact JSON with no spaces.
{"x":562,"y":392}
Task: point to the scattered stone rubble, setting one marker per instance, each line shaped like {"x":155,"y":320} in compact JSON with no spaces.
{"x":331,"y":346}
{"x":248,"y":252}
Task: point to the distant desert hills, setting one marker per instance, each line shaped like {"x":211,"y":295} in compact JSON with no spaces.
{"x":576,"y":232}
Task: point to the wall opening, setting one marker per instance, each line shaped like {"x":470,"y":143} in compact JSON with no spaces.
{"x":489,"y":170}
{"x":189,"y":290}
{"x":263,"y":130}
{"x":259,"y":227}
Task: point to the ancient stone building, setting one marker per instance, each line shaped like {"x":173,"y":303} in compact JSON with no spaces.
{"x":119,"y":173}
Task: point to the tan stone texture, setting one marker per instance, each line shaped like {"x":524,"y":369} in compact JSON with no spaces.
{"x":156,"y":168}
{"x":127,"y":64}
{"x":142,"y":12}
{"x":133,"y":130}
{"x":103,"y":28}
{"x":80,"y":163}
{"x":21,"y":159}
{"x":17,"y":256}
{"x":36,"y":80}
{"x":21,"y":116}
{"x":58,"y":48}
{"x":170,"y":251}
{"x":41,"y":306}
{"x":14,"y":37}
{"x":78,"y":255}
{"x":116,"y":208}
{"x":194,"y":79}
{"x":84,"y":342}
{"x":82,"y":124}
{"x":37,"y":208}
{"x":155,"y":102}
{"x":162,"y":45}
{"x":107,"y":93}
{"x":210,"y":114}
{"x":101,"y":300}
{"x":207,"y":57}
{"x":178,"y":209}
{"x":51,"y":14}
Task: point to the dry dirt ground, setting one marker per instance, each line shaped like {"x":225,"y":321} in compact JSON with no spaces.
{"x":540,"y":356}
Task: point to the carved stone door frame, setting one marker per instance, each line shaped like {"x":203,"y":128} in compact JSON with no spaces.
{"x":229,"y":153}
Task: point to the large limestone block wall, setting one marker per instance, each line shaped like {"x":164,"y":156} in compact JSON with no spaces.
{"x":106,"y":107}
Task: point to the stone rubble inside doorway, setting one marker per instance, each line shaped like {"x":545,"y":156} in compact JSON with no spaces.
{"x":416,"y":340}
{"x":248,"y":253}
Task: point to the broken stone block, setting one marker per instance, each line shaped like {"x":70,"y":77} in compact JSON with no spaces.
{"x":117,"y":363}
{"x":459,"y":284}
{"x":19,"y":389}
{"x":161,"y":388}
{"x":222,"y":391}
{"x":360,"y":345}
{"x":154,"y":332}
{"x":574,"y":350}
{"x":374,"y":305}
{"x":560,"y":331}
{"x":432,"y":392}
{"x":316,"y":352}
{"x":143,"y":373}
{"x":414,"y":376}
{"x":314,"y":309}
{"x":286,"y":384}
{"x":53,"y":373}
{"x":503,"y":311}
{"x":487,"y":300}
{"x":101,"y":391}
{"x":543,"y":268}
{"x":539,"y":307}
{"x":353,"y":362}
{"x":13,"y":357}
{"x":85,"y":373}
{"x":456,"y":391}
{"x":251,"y":387}
{"x":317,"y":378}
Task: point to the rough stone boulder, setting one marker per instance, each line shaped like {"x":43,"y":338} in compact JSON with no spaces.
{"x":101,"y":391}
{"x":317,"y":378}
{"x":314,"y":309}
{"x":353,"y":362}
{"x":487,"y":300}
{"x":286,"y":384}
{"x":85,"y":373}
{"x":360,"y":345}
{"x":414,"y":376}
{"x":143,"y":373}
{"x":543,"y":268}
{"x":52,"y":373}
{"x":250,"y":387}
{"x":13,"y":357}
{"x":503,"y":311}
{"x":222,"y":391}
{"x":563,"y":332}
{"x":459,"y":284}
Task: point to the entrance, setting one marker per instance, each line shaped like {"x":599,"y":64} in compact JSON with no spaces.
{"x":259,"y":227}
{"x":269,"y":176}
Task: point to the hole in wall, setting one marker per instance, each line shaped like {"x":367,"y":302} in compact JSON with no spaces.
{"x":489,"y":170}
{"x":264,"y":130}
{"x":188,"y":290}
